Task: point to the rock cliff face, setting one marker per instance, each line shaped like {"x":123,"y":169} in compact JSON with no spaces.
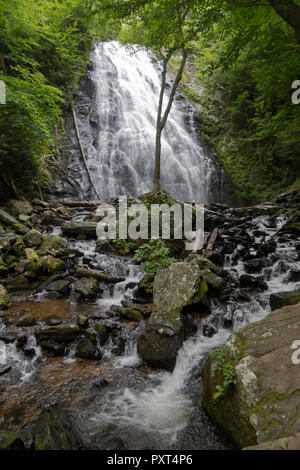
{"x":264,"y":404}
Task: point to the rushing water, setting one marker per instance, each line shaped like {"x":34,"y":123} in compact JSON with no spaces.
{"x":158,"y":409}
{"x":164,"y":406}
{"x":119,"y":136}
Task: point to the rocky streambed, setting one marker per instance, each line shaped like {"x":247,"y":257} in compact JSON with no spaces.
{"x":90,"y":361}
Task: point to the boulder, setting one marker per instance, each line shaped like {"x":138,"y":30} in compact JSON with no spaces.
{"x":253,"y":282}
{"x":52,"y":348}
{"x":50,"y":217}
{"x":161,"y":339}
{"x":55,"y":430}
{"x":102,"y":333}
{"x":82,"y":321}
{"x":62,"y":286}
{"x":132,"y":314}
{"x":17,"y":207}
{"x":86,"y":349}
{"x":17,"y":283}
{"x":285,"y":443}
{"x":104,"y":246}
{"x":203,"y":263}
{"x":4,"y":298}
{"x":33,"y":238}
{"x":263,"y":403}
{"x":256,"y":265}
{"x":28,"y":320}
{"x":59,"y":333}
{"x":53,"y":265}
{"x":281,"y":299}
{"x":52,"y":320}
{"x":7,"y":219}
{"x":176,"y":287}
{"x":86,"y":288}
{"x":54,"y":245}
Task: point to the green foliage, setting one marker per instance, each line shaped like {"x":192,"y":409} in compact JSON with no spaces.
{"x":227,"y":371}
{"x":123,"y":246}
{"x":153,"y":256}
{"x":44,"y":49}
{"x":246,"y":65}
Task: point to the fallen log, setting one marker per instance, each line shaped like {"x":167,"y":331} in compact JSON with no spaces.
{"x":99,"y":275}
{"x":76,"y":228}
{"x":212,"y":239}
{"x":82,"y":203}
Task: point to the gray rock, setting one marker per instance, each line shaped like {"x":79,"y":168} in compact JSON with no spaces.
{"x":178,"y":286}
{"x":86,"y":349}
{"x":33,"y":238}
{"x":253,"y":282}
{"x":28,"y":320}
{"x":7,"y":219}
{"x":86,"y":288}
{"x":55,"y":430}
{"x":263,"y":404}
{"x":59,"y":333}
{"x":281,"y":299}
{"x":62,"y":286}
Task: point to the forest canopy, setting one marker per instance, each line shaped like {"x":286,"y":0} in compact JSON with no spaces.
{"x":244,"y":55}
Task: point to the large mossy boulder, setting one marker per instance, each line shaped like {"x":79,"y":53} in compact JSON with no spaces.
{"x":281,"y":299}
{"x":263,"y":404}
{"x":7,"y":220}
{"x":176,"y":287}
{"x":54,"y":245}
{"x":86,"y":288}
{"x":4,"y":298}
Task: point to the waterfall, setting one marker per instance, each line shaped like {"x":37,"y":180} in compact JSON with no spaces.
{"x":118,"y":131}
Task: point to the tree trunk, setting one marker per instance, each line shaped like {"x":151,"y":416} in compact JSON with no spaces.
{"x":161,"y":121}
{"x":159,"y":128}
{"x":288,"y":10}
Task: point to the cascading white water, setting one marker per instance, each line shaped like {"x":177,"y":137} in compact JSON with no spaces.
{"x":121,"y":154}
{"x":163,"y":407}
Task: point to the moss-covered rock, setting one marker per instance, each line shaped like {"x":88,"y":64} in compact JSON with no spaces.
{"x":53,"y":244}
{"x":281,"y":299}
{"x":33,"y":238}
{"x":59,"y":333}
{"x":10,"y":441}
{"x":53,"y":265}
{"x":86,"y":288}
{"x":36,"y":263}
{"x":263,"y":405}
{"x":176,"y":287}
{"x":4,"y":298}
{"x":55,"y":430}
